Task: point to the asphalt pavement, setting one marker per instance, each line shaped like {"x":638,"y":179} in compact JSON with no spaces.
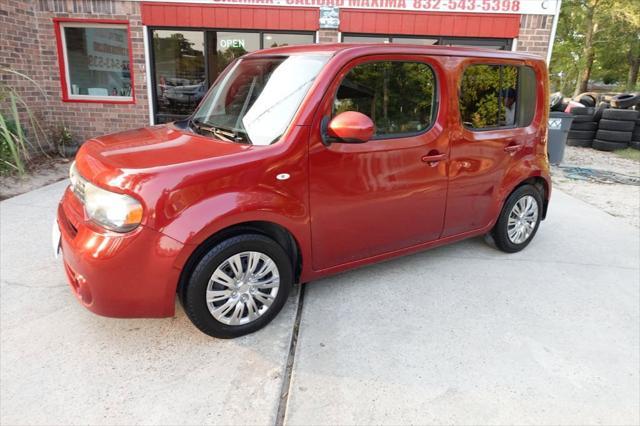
{"x":456,"y":335}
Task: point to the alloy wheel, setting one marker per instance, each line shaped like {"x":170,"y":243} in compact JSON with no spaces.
{"x":522,"y":219}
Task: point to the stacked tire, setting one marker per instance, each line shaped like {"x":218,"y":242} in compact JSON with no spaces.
{"x":635,"y":136}
{"x":584,"y":126}
{"x":615,"y":129}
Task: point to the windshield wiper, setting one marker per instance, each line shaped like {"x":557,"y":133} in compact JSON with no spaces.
{"x":223,"y":133}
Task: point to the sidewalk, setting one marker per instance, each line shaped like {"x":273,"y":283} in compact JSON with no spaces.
{"x":460,"y":334}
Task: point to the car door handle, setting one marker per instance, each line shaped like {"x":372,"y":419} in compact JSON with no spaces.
{"x":434,"y":158}
{"x":511,"y":149}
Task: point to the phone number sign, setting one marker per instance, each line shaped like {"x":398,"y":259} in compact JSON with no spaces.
{"x":520,"y":7}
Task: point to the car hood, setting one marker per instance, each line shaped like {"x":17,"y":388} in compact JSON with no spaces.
{"x":160,"y":157}
{"x":153,"y":147}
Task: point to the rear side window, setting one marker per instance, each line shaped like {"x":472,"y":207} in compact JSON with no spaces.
{"x":494,"y":96}
{"x":399,"y":97}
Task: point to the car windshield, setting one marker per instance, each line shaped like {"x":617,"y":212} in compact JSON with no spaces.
{"x":256,"y":99}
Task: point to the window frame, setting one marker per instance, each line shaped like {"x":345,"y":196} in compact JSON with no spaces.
{"x":459,"y":93}
{"x":435,"y":103}
{"x":65,"y":82}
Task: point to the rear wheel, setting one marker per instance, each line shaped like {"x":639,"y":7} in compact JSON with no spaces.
{"x":239,"y":286}
{"x":519,"y":219}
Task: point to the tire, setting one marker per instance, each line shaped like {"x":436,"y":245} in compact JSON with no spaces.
{"x":583,"y":110}
{"x":617,"y":125}
{"x":582,"y":119}
{"x":500,"y":232}
{"x":585,"y":143}
{"x":587,"y":125}
{"x":625,"y":100}
{"x":620,"y":114}
{"x":613,"y":136}
{"x":635,"y":144}
{"x":598,"y":114}
{"x":589,"y":99}
{"x":195,"y":294}
{"x":555,"y":101}
{"x":581,"y":134}
{"x":608,"y":146}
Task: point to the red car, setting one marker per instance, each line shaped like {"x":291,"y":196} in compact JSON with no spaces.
{"x":303,"y":162}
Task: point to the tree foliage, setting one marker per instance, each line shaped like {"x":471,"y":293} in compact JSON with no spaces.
{"x":614,"y":44}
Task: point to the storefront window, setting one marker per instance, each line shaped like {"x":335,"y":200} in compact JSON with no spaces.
{"x":413,"y":40}
{"x":185,"y":63}
{"x":281,"y":39}
{"x":364,"y":39}
{"x":232,"y":45}
{"x":180,"y":77}
{"x":484,"y":43}
{"x":96,"y":62}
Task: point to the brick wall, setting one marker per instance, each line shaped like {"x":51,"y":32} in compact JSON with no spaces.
{"x":535,"y":31}
{"x":29,"y":47}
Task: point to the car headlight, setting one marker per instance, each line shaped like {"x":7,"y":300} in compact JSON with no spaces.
{"x":113,"y":211}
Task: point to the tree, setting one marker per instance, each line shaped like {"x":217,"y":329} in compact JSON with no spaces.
{"x":592,"y":17}
{"x":596,"y":40}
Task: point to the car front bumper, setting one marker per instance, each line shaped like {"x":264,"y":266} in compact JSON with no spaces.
{"x":125,"y":275}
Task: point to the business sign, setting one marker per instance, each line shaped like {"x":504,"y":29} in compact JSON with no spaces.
{"x":329,"y":18}
{"x":518,"y":7}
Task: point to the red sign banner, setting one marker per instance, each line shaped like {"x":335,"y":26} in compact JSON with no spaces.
{"x":520,"y":7}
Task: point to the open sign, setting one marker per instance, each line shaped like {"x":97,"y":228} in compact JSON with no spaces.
{"x":225,"y":44}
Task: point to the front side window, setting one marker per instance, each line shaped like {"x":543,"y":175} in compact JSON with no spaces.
{"x":493,"y":96}
{"x":399,"y":97}
{"x":256,"y":99}
{"x":96,"y":62}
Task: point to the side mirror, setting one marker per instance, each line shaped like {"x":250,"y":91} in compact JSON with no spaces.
{"x":347,"y":127}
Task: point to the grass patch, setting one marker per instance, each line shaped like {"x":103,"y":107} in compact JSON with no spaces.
{"x":629,"y":153}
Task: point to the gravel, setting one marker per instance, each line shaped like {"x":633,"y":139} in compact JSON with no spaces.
{"x":616,"y":199}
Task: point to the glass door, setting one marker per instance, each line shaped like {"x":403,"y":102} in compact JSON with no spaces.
{"x":179,"y":73}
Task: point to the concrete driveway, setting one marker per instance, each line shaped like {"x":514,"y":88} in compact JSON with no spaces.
{"x":457,"y":335}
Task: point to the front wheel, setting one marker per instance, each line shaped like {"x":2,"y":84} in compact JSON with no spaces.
{"x":239,"y":286}
{"x":519,"y":219}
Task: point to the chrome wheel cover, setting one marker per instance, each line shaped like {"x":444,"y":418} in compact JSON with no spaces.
{"x":242,"y":288}
{"x":522,"y":219}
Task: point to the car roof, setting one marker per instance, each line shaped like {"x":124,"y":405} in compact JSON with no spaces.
{"x":358,"y":49}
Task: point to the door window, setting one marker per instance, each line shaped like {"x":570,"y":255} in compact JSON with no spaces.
{"x":399,"y":97}
{"x":493,"y":96}
{"x":488,"y":96}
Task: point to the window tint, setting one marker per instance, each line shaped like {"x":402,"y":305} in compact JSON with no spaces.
{"x":398,"y":96}
{"x":497,"y":96}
